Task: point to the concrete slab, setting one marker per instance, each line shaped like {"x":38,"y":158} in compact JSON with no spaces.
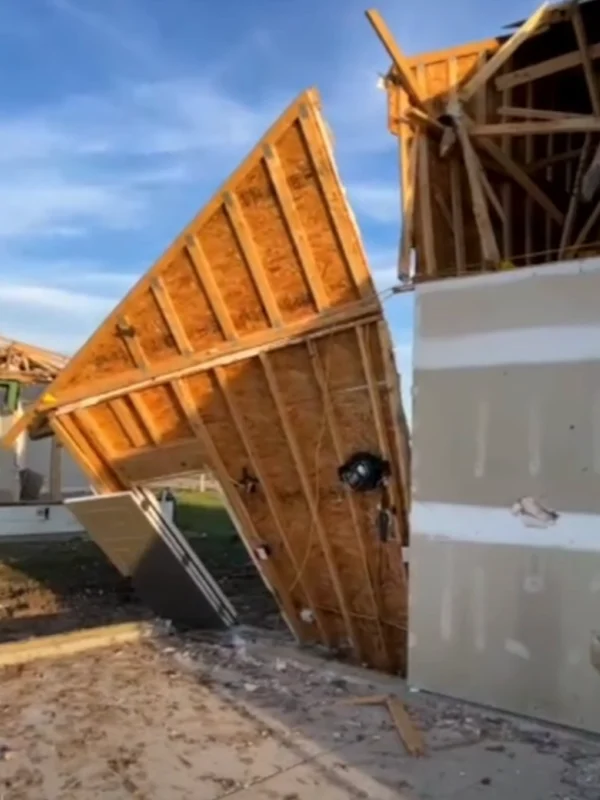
{"x":251,"y":718}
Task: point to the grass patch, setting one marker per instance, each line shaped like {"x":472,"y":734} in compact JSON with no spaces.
{"x":207,"y":525}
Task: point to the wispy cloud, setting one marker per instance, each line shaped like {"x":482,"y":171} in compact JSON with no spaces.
{"x":377,"y":201}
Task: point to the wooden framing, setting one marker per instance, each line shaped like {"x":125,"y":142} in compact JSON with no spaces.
{"x":256,"y":345}
{"x":27,"y":364}
{"x":512,"y":132}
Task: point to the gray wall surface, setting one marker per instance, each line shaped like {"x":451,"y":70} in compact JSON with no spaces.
{"x":505,"y":548}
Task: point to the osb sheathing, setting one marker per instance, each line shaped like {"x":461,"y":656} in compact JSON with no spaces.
{"x":256,"y":345}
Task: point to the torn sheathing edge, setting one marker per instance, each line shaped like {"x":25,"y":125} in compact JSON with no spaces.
{"x":453,"y":112}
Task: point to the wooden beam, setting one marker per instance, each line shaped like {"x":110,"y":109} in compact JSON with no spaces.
{"x":401,"y":431}
{"x":491,"y":67}
{"x":586,"y":59}
{"x":487,"y":238}
{"x":539,"y":113}
{"x":311,"y":502}
{"x":425,"y":210}
{"x":587,"y":124}
{"x":295,"y":227}
{"x":458,"y":223}
{"x":182,"y":366}
{"x":399,"y":60}
{"x":202,"y":269}
{"x":273,"y":505}
{"x":520,"y":176}
{"x":344,"y":224}
{"x":585,"y":231}
{"x":574,"y":201}
{"x":56,"y":484}
{"x":252,"y":258}
{"x":591,"y":179}
{"x":379,"y":423}
{"x":544,"y":68}
{"x":492,"y":197}
{"x":408,"y":209}
{"x":125,"y":418}
{"x":321,"y":378}
{"x":553,"y":158}
{"x":98,"y":471}
{"x":170,"y":316}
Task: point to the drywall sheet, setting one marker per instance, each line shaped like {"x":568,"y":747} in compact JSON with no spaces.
{"x":166,"y":573}
{"x":505,"y":545}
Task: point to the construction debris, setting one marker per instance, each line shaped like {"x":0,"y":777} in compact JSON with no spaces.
{"x":411,"y":736}
{"x":499,"y":138}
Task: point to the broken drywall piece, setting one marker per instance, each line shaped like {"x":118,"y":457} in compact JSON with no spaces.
{"x":534,"y":514}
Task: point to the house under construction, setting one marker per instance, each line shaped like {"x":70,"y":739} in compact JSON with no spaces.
{"x":257,"y":345}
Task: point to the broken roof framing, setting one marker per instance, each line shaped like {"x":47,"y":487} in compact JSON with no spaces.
{"x":499,"y":140}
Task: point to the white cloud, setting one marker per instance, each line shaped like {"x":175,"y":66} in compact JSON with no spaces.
{"x":376,"y":201}
{"x":43,"y":202}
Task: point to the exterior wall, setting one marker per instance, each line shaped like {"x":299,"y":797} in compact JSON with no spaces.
{"x":505,"y":548}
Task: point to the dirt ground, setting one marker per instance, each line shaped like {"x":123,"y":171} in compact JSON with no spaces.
{"x":54,"y":586}
{"x":250,"y":716}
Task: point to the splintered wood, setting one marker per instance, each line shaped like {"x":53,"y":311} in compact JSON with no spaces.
{"x":24,"y":363}
{"x":256,"y":345}
{"x":502,"y":137}
{"x":411,"y":737}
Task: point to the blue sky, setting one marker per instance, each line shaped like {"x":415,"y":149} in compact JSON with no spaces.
{"x":119,"y":118}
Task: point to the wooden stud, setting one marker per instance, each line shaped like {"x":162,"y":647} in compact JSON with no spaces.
{"x":401,"y":430}
{"x":170,"y":316}
{"x":273,"y":505}
{"x":99,"y":473}
{"x":399,"y":60}
{"x":252,"y":258}
{"x":518,"y":174}
{"x":125,"y":418}
{"x":408,"y":209}
{"x":491,"y":67}
{"x":56,"y":486}
{"x":144,"y":414}
{"x":571,"y":124}
{"x":336,"y":438}
{"x":567,"y":230}
{"x":295,"y":227}
{"x":545,"y":68}
{"x":204,"y":273}
{"x":311,"y":502}
{"x":458,"y":228}
{"x":330,"y":184}
{"x":539,"y":113}
{"x":492,"y":197}
{"x":585,"y":231}
{"x":131,"y":340}
{"x":528,"y":200}
{"x":411,"y":736}
{"x":586,"y":58}
{"x":425,"y":210}
{"x":553,"y":158}
{"x":380,"y":426}
{"x":489,"y":246}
